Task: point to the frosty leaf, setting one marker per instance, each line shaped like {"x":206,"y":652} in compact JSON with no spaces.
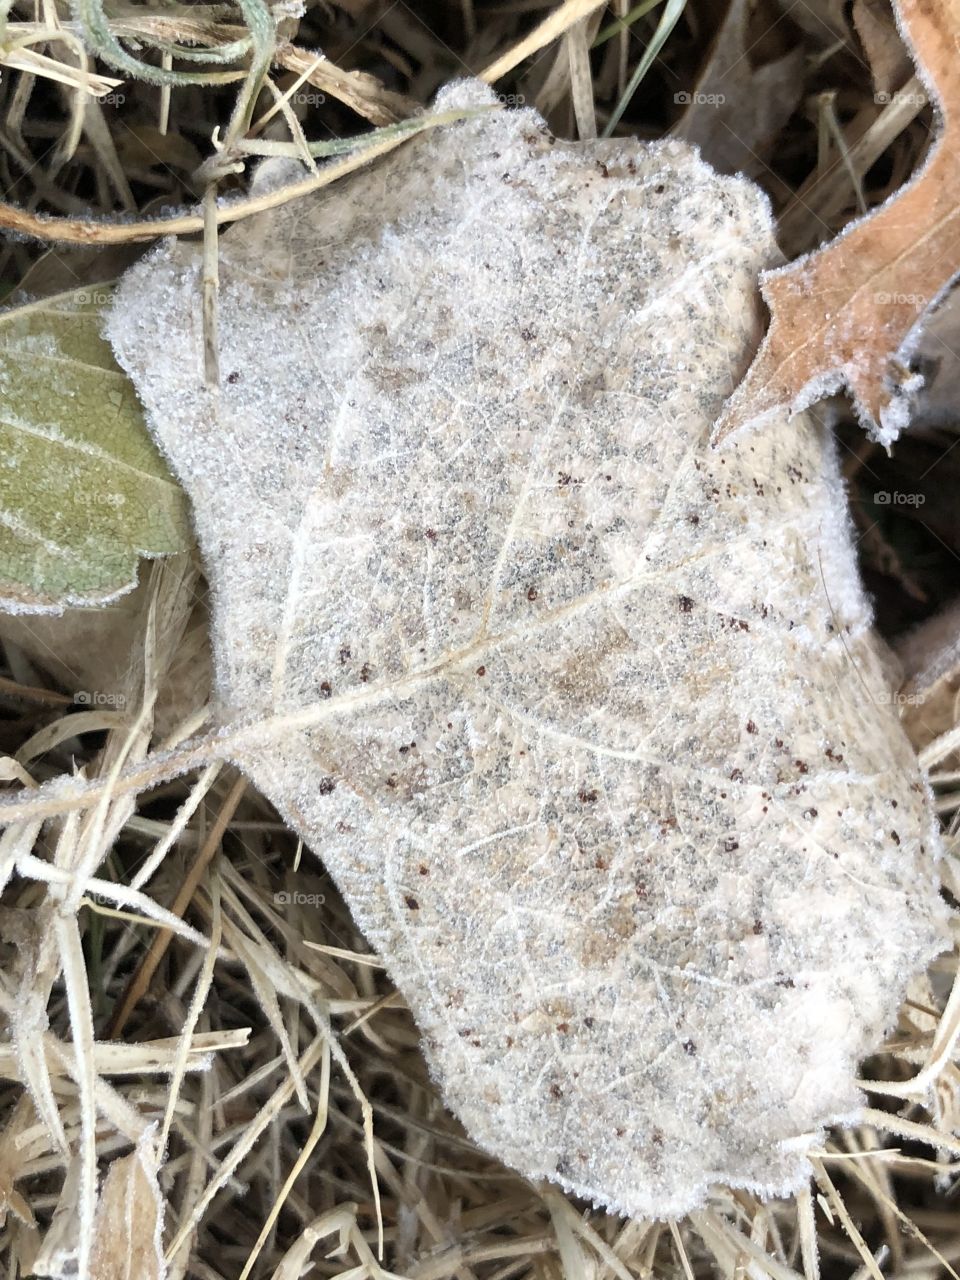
{"x":556,"y":692}
{"x":841,"y":315}
{"x":83,"y":490}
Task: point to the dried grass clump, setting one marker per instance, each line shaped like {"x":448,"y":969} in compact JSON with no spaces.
{"x":201,"y":1060}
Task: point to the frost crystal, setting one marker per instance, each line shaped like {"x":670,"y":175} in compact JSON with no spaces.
{"x":585,"y":719}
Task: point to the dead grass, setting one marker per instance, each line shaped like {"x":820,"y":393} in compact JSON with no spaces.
{"x":181,"y":984}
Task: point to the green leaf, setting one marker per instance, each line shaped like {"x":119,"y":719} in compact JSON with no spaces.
{"x":83,"y":490}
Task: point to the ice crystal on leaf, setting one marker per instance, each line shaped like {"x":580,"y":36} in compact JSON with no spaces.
{"x":585,"y":719}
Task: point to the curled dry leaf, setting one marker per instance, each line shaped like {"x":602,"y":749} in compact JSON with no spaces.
{"x":840,"y":317}
{"x":127,"y":1232}
{"x":586,"y":720}
{"x":825,"y":21}
{"x":937,"y":356}
{"x":92,"y":653}
{"x":738,"y":109}
{"x":929,"y":698}
{"x":890,"y":65}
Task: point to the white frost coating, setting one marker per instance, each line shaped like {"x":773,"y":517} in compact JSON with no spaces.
{"x":567,"y":715}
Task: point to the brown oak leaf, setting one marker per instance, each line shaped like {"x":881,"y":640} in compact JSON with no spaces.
{"x":840,"y":317}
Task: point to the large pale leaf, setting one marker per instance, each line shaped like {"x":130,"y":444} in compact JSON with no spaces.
{"x":586,"y":719}
{"x":84,"y":491}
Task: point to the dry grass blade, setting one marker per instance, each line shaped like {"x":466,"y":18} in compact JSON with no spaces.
{"x":151,"y":961}
{"x":729,"y":1246}
{"x":314,"y":1136}
{"x":807,"y":1231}
{"x":560,"y":20}
{"x":38,"y":64}
{"x":836,"y":1202}
{"x":362,"y":93}
{"x":228,"y":1166}
{"x":863,"y":1173}
{"x":81,"y":1024}
{"x":88,"y":231}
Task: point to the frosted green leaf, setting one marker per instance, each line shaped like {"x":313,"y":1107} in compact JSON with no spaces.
{"x":586,"y":719}
{"x":84,"y":492}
